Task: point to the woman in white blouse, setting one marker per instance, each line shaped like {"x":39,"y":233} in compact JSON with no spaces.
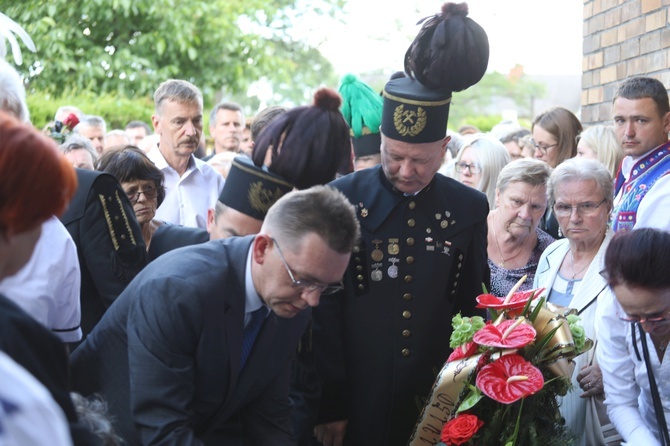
{"x":634,"y":335}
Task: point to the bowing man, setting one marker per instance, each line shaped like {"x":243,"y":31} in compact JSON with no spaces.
{"x":173,"y":356}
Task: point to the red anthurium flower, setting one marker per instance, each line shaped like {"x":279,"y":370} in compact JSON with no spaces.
{"x":512,"y":333}
{"x":517,"y":301}
{"x":509,"y":378}
{"x":460,"y":430}
{"x":463,"y":351}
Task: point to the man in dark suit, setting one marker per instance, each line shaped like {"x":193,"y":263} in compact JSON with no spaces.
{"x":168,"y":355}
{"x":422,"y":258}
{"x":109,"y":242}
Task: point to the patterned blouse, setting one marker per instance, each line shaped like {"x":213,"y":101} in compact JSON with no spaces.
{"x":502,"y":279}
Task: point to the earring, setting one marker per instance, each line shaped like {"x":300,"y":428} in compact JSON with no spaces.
{"x":560,"y":233}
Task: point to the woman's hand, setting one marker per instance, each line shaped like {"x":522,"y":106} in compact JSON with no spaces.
{"x":590,"y":380}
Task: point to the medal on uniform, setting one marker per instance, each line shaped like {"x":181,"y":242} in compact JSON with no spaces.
{"x":393,"y":270}
{"x":377,"y":274}
{"x":394,"y":247}
{"x":444,"y":224}
{"x":377,"y":254}
{"x":438,"y":216}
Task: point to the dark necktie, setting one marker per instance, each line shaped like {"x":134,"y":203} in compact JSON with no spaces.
{"x":250,"y":332}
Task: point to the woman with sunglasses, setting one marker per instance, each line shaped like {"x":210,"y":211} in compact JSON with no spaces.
{"x":141,"y":180}
{"x":634,"y":330}
{"x":580,"y":191}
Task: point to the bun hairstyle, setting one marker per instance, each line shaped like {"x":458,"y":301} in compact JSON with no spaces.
{"x":450,"y":52}
{"x":308,"y":143}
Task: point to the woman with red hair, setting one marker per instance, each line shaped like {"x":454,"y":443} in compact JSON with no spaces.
{"x":37,"y":182}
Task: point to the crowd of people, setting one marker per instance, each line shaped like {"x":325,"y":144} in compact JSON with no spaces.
{"x":296,"y":285}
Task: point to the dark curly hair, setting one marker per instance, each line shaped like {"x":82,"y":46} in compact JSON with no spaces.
{"x":129,"y":163}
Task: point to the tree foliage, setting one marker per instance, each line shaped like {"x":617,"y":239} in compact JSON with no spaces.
{"x":476,"y":100}
{"x":128,"y":47}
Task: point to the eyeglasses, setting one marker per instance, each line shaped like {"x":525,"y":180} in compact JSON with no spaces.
{"x":644,"y":320}
{"x":542,"y":148}
{"x":584,"y":209}
{"x":474,"y":168}
{"x":149,"y":193}
{"x":306,"y":284}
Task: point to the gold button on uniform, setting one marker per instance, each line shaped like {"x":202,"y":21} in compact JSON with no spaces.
{"x":362,"y":287}
{"x":357,"y":249}
{"x":406,"y":314}
{"x":412,"y":205}
{"x":409,"y":260}
{"x":360,"y":278}
{"x":407,"y":296}
{"x":406,"y":333}
{"x":359,"y":268}
{"x":410,"y":241}
{"x":405,"y":352}
{"x":411,"y":223}
{"x":408,"y":278}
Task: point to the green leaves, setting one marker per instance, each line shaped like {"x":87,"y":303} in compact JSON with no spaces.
{"x":130,"y":46}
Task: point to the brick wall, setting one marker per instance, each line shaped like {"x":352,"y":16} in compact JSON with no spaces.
{"x":622,"y":38}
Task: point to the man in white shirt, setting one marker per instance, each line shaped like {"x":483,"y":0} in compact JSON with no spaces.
{"x":641,"y":114}
{"x":191,"y":186}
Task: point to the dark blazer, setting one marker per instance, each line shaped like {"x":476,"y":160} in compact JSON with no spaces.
{"x":379,"y":344}
{"x":109,"y":242}
{"x":168,"y":237}
{"x":166,"y":355}
{"x":42,"y":354}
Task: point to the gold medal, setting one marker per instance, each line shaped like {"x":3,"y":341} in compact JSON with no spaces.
{"x":394,"y":247}
{"x":377,"y":254}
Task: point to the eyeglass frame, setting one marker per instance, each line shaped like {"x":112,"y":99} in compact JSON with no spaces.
{"x":644,"y":320}
{"x":136,"y":196}
{"x":307,"y":284}
{"x":579,"y":208}
{"x":543,"y":149}
{"x":460,"y":167}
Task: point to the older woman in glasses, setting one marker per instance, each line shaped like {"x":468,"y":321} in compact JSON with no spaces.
{"x":478,"y":164}
{"x":515,"y":241}
{"x":581,"y":193}
{"x":635,"y":332}
{"x":141,"y":180}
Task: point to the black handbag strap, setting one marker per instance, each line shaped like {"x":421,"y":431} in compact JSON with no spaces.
{"x":658,"y":407}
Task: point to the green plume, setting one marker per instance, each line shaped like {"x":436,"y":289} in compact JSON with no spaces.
{"x":361,"y":106}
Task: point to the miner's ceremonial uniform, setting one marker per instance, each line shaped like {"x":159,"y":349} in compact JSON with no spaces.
{"x":421,"y":260}
{"x":422,"y":256}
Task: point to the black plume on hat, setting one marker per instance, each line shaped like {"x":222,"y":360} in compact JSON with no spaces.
{"x":450,"y":52}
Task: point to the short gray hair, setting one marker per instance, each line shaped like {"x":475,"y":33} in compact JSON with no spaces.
{"x":581,"y":169}
{"x":225,"y":106}
{"x":321,"y":210}
{"x":91,"y":121}
{"x":75,"y":141}
{"x":528,"y":170}
{"x":178,"y":91}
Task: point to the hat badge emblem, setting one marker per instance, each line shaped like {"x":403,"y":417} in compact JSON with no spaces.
{"x":409,"y":122}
